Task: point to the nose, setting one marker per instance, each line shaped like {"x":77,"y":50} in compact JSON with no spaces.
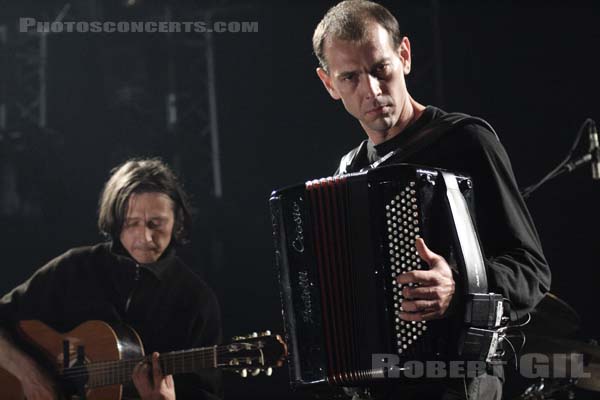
{"x":147,"y":234}
{"x":371,"y":87}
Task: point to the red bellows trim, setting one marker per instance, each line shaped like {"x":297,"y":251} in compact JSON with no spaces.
{"x":329,"y":204}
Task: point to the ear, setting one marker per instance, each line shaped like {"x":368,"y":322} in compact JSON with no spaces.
{"x":327,"y":82}
{"x":404,"y":55}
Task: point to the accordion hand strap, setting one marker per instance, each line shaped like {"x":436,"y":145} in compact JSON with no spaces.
{"x":468,"y":249}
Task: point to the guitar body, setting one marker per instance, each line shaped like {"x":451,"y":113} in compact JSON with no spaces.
{"x":101,"y":342}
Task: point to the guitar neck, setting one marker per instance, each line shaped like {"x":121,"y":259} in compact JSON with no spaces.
{"x":176,"y":362}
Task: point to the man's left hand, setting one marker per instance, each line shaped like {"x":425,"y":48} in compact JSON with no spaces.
{"x":153,"y":385}
{"x":431,"y":299}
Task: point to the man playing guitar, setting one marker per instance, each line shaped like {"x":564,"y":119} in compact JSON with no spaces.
{"x":134,"y":278}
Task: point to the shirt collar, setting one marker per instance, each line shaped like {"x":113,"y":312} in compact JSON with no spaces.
{"x":157,"y":269}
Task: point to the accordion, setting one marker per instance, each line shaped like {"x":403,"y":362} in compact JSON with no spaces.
{"x":340,"y":243}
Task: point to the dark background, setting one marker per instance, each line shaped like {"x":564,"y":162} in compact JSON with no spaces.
{"x":530,"y":69}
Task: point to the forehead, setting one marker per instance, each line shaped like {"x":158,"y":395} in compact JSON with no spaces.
{"x":149,"y":203}
{"x":342,"y":55}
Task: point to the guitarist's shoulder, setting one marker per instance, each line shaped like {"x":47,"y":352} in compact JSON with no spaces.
{"x":81,"y":252}
{"x":76,"y":257}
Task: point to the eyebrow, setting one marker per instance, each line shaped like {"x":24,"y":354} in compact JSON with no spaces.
{"x":345,"y":74}
{"x":381,"y":61}
{"x":375,"y":64}
{"x":159,"y":217}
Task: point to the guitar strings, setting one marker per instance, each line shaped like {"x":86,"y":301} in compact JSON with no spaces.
{"x":117,"y":368}
{"x":96,"y":378}
{"x":122,"y":369}
{"x":167,"y":357}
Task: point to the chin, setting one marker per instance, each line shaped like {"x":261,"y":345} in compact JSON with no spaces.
{"x":146,"y":259}
{"x":382,"y":125}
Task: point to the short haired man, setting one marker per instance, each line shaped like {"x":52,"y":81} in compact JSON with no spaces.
{"x":135,"y":278}
{"x":363,"y":60}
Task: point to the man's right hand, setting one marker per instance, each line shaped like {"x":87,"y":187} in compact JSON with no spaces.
{"x":36,"y":384}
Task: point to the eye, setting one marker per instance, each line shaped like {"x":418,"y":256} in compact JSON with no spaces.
{"x":155,"y":224}
{"x":347,"y":77}
{"x":130,"y":224}
{"x":382,"y":70}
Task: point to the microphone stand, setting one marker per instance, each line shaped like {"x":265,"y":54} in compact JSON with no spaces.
{"x":566,"y":166}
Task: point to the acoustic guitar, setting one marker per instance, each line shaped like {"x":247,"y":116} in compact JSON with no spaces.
{"x":95,"y":360}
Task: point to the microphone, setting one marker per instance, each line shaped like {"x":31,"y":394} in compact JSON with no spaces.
{"x":594,"y":151}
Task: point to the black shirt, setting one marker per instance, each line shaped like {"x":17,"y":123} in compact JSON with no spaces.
{"x":168,"y":305}
{"x":514,"y":258}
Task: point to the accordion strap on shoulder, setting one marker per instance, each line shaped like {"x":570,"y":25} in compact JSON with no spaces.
{"x":468,"y":248}
{"x":427,"y":136}
{"x":347,"y":162}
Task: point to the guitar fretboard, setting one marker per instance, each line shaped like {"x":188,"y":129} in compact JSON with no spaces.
{"x":118,"y":372}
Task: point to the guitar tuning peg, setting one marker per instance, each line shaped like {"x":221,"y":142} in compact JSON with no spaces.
{"x":254,"y":334}
{"x":256,"y":372}
{"x":266,"y":333}
{"x":269,"y":371}
{"x":244,"y":373}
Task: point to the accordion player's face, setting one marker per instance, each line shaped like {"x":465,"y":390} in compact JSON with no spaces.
{"x":368,"y":76}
